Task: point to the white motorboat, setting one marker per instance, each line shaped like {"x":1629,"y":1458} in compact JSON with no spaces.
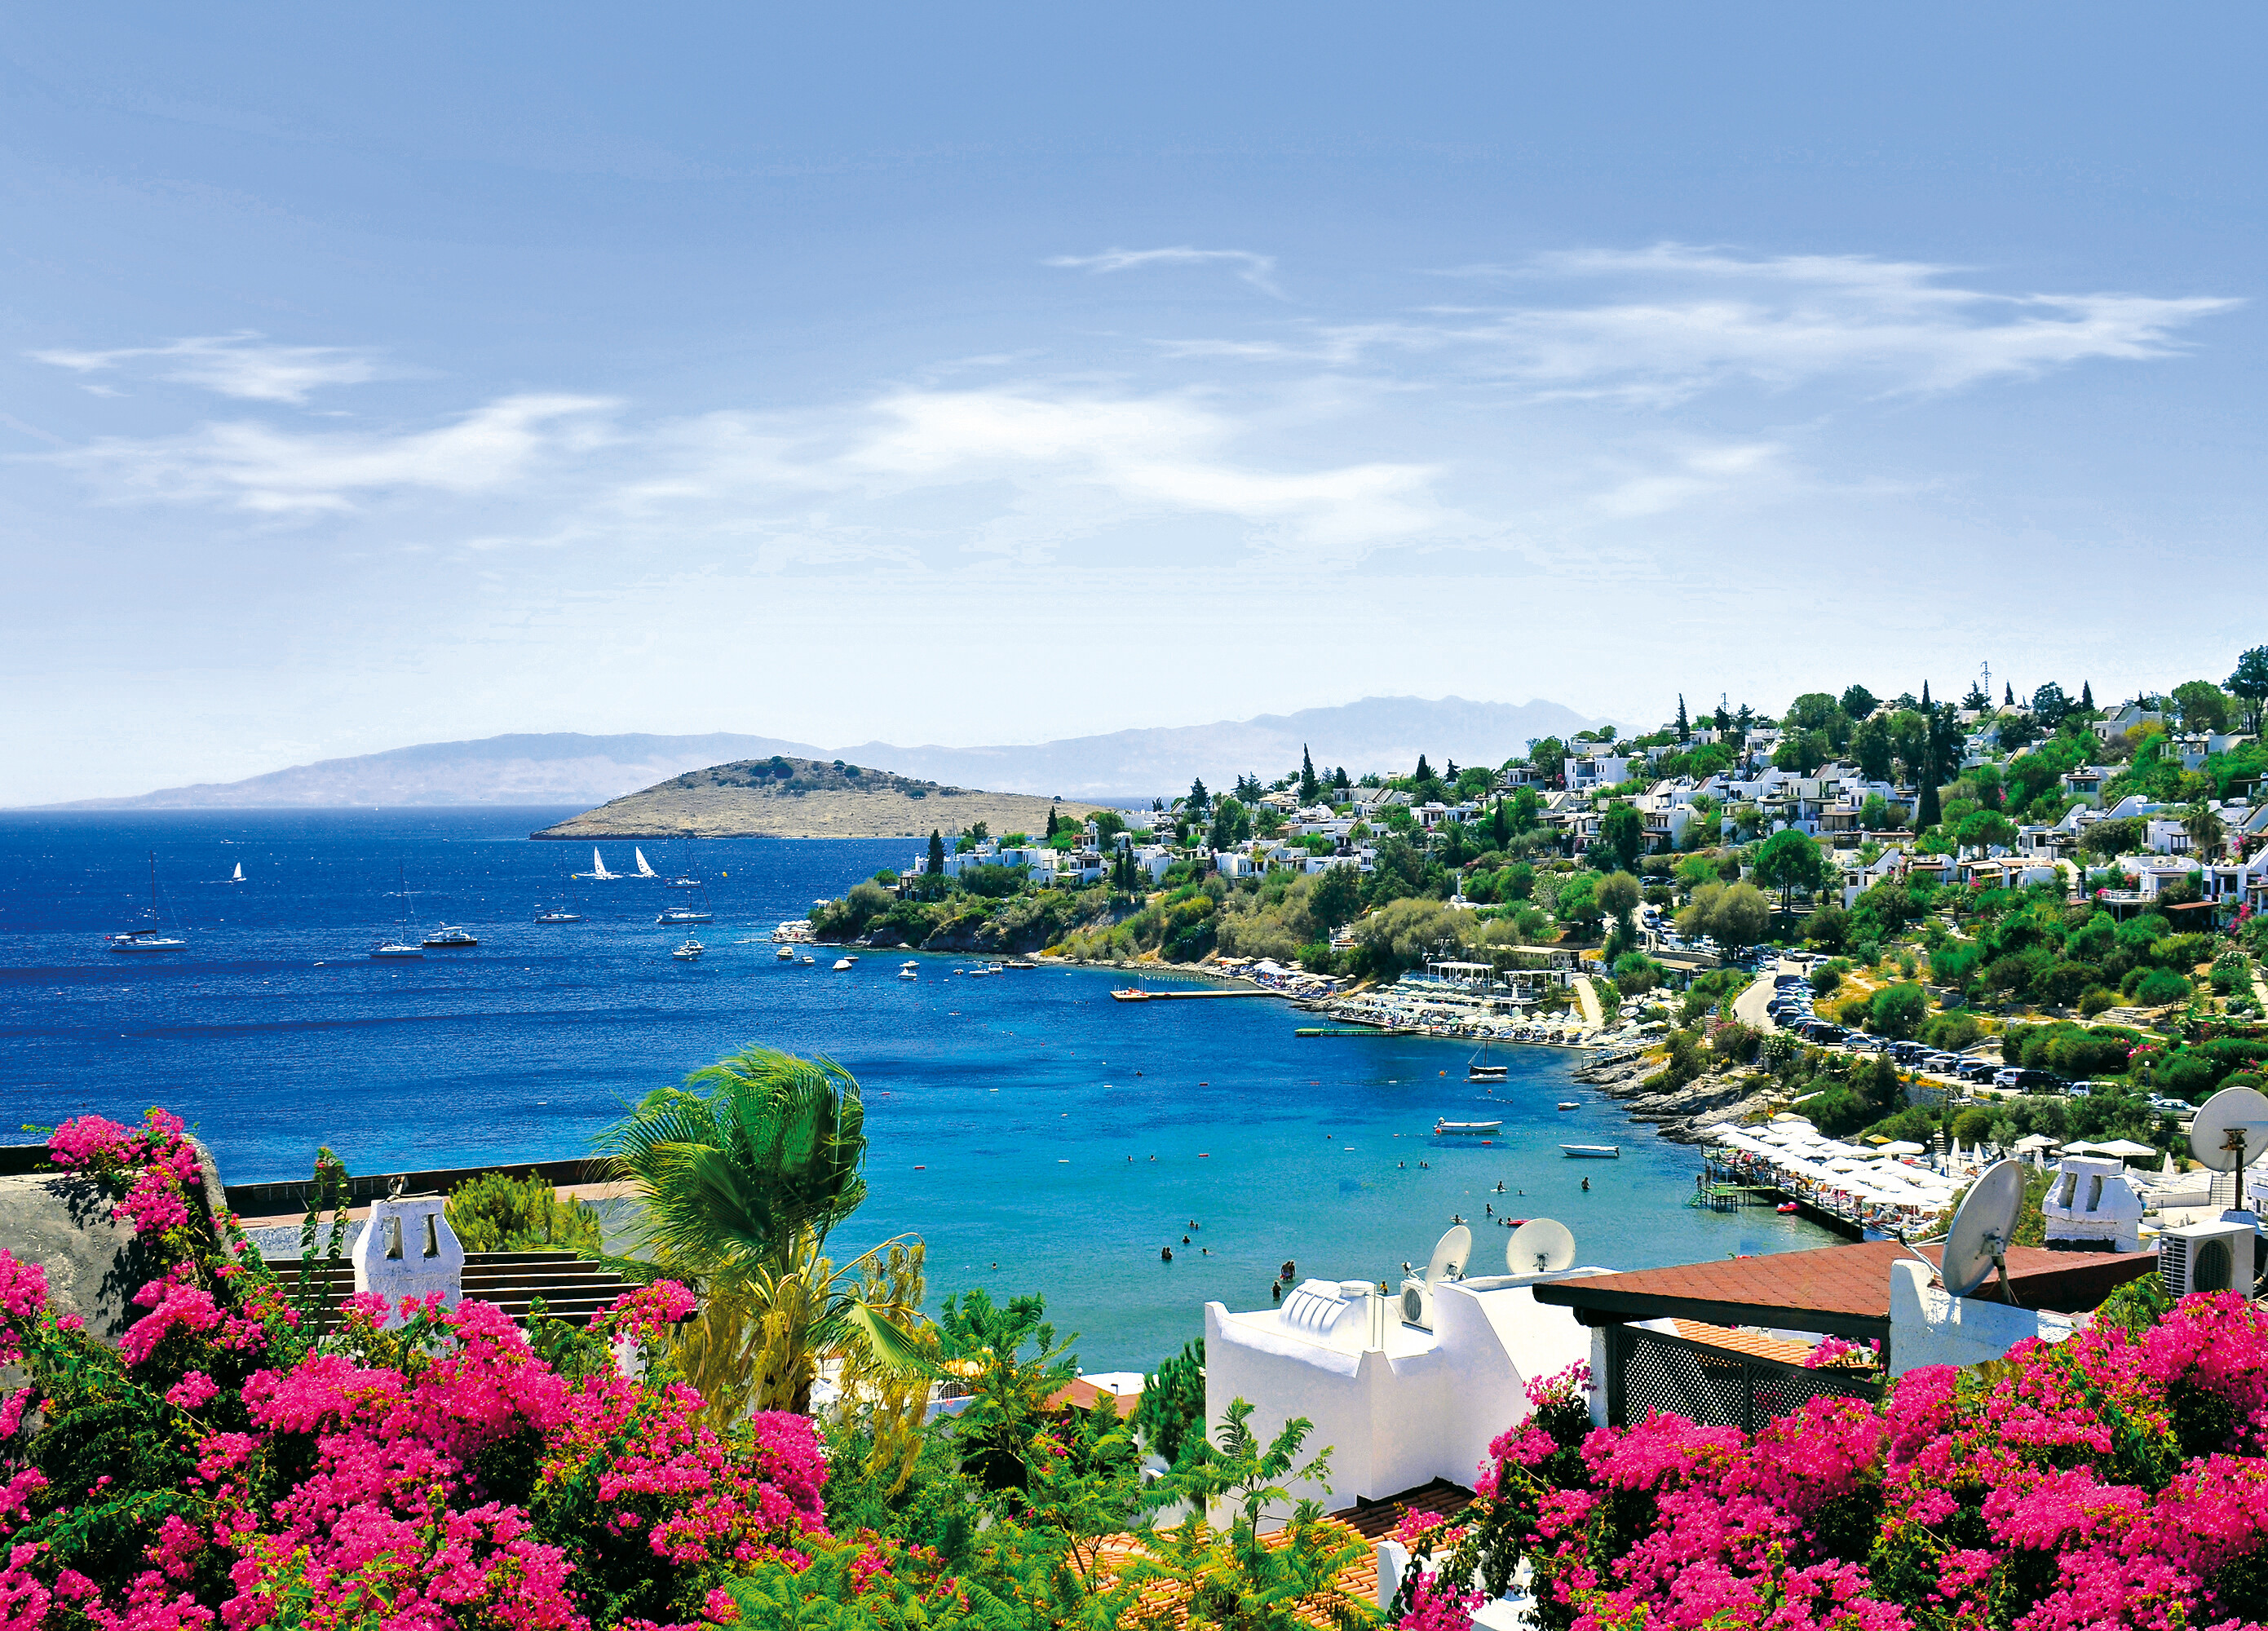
{"x":1592,"y":1152}
{"x":843,"y":964}
{"x":1450,"y":1129}
{"x":685,"y":914}
{"x":1569,"y":1104}
{"x":908,"y":970}
{"x":151,"y":938}
{"x":809,"y":959}
{"x":785,"y":954}
{"x":689,"y":952}
{"x":557,"y":914}
{"x":450,"y":935}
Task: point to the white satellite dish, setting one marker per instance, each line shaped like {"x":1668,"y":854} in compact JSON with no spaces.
{"x":2231,"y":1133}
{"x":1542,"y":1245}
{"x":1450,"y":1257}
{"x":1982,"y":1229}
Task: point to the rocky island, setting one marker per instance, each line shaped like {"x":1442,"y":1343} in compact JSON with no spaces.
{"x":785,"y":798}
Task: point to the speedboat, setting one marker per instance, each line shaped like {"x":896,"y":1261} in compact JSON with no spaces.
{"x":557,"y":914}
{"x":689,"y":952}
{"x":683,"y":883}
{"x":1569,"y":1104}
{"x":843,"y":964}
{"x":1446,"y":1129}
{"x":785,"y":954}
{"x":1592,"y":1152}
{"x":450,"y":935}
{"x":685,"y":914}
{"x":808,"y":958}
{"x":908,"y":970}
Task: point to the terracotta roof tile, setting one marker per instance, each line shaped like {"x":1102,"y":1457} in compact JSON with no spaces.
{"x":1847,"y":1285}
{"x":1736,"y":1341}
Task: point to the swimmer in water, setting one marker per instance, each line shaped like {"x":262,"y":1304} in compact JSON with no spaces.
{"x":1165,"y":1254}
{"x":1587,"y":1186}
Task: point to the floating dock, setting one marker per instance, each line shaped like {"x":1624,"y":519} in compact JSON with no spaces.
{"x":1349,"y":1030}
{"x":1183,"y":996}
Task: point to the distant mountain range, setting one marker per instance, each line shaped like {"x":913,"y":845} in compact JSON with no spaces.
{"x":1384,"y":733}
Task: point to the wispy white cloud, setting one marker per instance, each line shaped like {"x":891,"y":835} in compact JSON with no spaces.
{"x":253,"y":467}
{"x":1258,"y":270}
{"x":1656,"y":327}
{"x":243,"y":365}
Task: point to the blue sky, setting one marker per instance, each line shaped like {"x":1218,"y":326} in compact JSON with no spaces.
{"x":1005,"y":373}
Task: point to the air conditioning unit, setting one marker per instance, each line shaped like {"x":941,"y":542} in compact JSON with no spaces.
{"x":2206,"y":1257}
{"x":1418,"y":1304}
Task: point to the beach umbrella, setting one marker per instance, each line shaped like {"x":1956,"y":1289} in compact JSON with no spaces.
{"x":1903,"y":1147}
{"x":2125,"y":1148}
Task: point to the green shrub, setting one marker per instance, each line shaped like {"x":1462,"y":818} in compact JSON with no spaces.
{"x":2097,"y":1000}
{"x":2153,"y":988}
{"x":497,"y":1212}
{"x":1897,"y":1011}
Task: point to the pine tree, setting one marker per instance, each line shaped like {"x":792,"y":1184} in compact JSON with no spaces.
{"x":1931,"y":811}
{"x":1200,"y":801}
{"x":936,"y":852}
{"x":2009,"y":701}
{"x":1685,"y":730}
{"x":1309,"y":788}
{"x":1425,"y":772}
{"x":2086,"y":696}
{"x":1925,"y":696}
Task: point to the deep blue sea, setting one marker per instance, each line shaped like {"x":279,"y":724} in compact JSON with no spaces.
{"x":1037,"y":1135}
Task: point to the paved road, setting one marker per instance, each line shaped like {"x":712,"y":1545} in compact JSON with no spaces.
{"x":1748,"y":1007}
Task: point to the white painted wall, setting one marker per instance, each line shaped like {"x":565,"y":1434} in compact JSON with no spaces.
{"x":1930,"y":1327}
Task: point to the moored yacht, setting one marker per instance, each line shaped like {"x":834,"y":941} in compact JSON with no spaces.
{"x":450,"y":935}
{"x":684,"y":915}
{"x":556,"y":914}
{"x":151,"y":938}
{"x":689,"y":952}
{"x":908,"y":969}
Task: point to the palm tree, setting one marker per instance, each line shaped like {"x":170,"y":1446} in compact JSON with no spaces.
{"x":744,"y":1171}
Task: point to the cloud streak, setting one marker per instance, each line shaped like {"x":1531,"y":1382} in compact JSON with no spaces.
{"x":251,"y":466}
{"x":1257,"y":269}
{"x":242,"y":365}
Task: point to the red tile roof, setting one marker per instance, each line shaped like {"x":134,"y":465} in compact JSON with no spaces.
{"x":1845,"y":1290}
{"x":1084,"y":1394}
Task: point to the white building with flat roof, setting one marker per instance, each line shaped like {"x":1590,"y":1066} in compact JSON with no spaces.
{"x":1398,"y":1404}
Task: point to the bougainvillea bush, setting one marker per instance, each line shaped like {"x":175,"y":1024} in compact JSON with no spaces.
{"x":247,"y":1459}
{"x":2120,"y":1478}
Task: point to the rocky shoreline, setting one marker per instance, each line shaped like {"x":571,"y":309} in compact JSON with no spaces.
{"x":1683,"y":1114}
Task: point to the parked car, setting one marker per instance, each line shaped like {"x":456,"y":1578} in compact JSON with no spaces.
{"x":2009,"y":1077}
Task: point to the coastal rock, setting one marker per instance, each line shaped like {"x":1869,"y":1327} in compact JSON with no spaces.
{"x":1683,"y":1114}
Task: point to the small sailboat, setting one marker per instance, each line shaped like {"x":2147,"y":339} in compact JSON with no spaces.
{"x":599,"y":868}
{"x":239,"y":873}
{"x":643,"y":871}
{"x":152,"y":938}
{"x":400,"y":945}
{"x":1478,"y":1068}
{"x":690,"y":952}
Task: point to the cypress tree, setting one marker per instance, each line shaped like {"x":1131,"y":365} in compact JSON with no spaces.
{"x":2086,"y":696}
{"x":2009,"y":700}
{"x":1685,"y":729}
{"x":1309,"y":788}
{"x":936,"y":852}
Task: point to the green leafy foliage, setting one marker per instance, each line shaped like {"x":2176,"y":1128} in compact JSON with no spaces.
{"x":495,"y":1212}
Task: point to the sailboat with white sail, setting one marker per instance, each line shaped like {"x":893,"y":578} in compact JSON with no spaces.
{"x":643,"y":870}
{"x":239,"y":873}
{"x":152,"y":937}
{"x":599,"y":868}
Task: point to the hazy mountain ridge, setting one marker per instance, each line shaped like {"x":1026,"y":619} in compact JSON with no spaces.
{"x":1376,"y":733}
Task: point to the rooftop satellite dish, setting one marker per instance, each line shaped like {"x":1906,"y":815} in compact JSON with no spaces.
{"x":2231,"y":1133}
{"x":1982,"y":1229}
{"x":1450,"y":1256}
{"x":1542,"y":1245}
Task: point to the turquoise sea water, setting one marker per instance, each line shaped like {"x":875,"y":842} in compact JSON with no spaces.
{"x":1036,"y":1134}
